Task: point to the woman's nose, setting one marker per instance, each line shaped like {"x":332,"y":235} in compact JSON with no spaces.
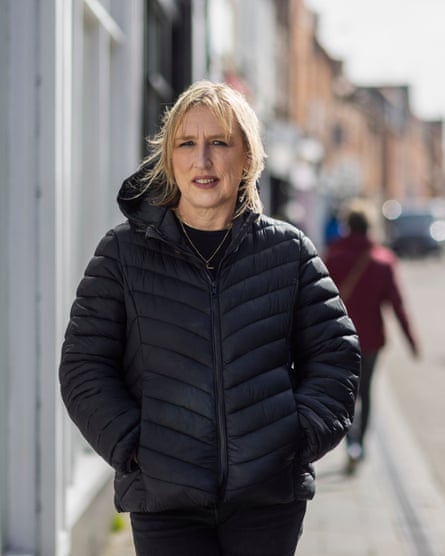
{"x":202,"y":156}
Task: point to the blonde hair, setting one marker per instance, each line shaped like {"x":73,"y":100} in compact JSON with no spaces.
{"x":228,"y":106}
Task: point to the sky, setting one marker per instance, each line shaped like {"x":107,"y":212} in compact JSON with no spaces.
{"x":389,"y":42}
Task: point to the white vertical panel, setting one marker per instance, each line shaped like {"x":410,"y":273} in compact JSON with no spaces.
{"x":22,"y":263}
{"x":199,"y":40}
{"x":72,"y":257}
{"x":54,"y":174}
{"x":5,"y":94}
{"x":126,"y":99}
{"x":95,"y":133}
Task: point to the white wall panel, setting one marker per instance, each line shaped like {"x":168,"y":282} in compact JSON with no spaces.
{"x":67,"y":54}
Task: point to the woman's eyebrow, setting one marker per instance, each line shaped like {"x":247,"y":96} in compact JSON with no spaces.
{"x":188,"y":137}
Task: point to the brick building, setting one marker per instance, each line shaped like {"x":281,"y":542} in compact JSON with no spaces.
{"x":373,"y":143}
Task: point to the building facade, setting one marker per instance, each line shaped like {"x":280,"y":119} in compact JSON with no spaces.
{"x":373,"y":144}
{"x":71,"y":126}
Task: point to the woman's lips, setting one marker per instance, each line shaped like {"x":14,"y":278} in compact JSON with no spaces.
{"x":205,"y":183}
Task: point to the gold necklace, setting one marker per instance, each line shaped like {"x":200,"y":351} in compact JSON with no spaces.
{"x":196,"y":250}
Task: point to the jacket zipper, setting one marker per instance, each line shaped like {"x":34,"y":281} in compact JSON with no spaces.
{"x":219,"y":391}
{"x":219,"y":380}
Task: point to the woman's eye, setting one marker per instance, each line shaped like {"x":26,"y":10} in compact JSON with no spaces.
{"x":219,"y":142}
{"x":186,"y":144}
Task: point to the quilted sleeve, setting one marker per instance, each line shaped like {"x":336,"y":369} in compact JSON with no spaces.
{"x":326,"y":359}
{"x":90,"y":372}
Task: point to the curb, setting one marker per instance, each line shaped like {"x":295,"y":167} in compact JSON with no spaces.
{"x":421,"y":502}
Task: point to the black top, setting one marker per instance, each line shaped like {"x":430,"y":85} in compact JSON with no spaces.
{"x":207,"y":242}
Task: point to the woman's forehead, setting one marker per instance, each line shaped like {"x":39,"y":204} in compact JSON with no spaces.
{"x":198,"y":117}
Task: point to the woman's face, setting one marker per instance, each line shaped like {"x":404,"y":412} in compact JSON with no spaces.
{"x":208,"y":167}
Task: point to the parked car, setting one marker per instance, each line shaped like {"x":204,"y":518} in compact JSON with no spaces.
{"x":415,"y":232}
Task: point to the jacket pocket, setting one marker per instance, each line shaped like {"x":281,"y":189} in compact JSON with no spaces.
{"x":129,"y":492}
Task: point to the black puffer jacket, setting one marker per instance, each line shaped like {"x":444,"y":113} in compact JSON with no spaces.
{"x":226,"y":390}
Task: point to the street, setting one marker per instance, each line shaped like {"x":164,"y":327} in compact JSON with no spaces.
{"x":419,"y":385}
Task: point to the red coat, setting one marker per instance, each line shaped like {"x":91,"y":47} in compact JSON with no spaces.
{"x":376,"y":287}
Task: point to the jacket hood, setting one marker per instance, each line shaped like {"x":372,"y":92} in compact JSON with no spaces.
{"x":134,"y":200}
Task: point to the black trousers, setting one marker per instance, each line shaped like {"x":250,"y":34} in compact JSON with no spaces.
{"x":363,"y":405}
{"x":220,"y":531}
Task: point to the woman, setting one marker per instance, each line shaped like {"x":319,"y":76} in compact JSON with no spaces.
{"x":208,"y":358}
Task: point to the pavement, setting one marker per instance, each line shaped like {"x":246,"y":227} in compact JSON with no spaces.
{"x":391,"y":506}
{"x":120,"y":543}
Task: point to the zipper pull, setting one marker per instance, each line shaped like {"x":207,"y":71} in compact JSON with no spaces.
{"x":214,"y":288}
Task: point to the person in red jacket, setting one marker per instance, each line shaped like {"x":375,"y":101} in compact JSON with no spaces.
{"x":365,"y":273}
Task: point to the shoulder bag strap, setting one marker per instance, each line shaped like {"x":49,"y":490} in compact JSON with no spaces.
{"x":347,"y":286}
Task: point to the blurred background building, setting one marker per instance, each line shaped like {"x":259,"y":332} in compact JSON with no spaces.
{"x":82,"y":83}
